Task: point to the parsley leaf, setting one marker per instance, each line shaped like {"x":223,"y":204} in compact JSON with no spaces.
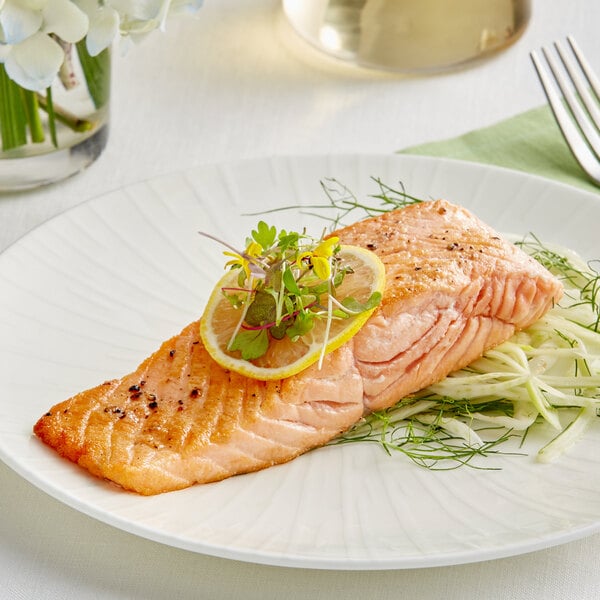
{"x":252,"y":344}
{"x":264,"y":235}
{"x":303,"y":323}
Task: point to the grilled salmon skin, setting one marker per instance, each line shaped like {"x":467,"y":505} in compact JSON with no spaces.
{"x":454,"y":288}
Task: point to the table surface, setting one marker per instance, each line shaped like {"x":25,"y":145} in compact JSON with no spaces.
{"x":236,"y":83}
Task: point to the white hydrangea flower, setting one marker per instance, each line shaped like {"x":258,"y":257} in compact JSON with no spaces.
{"x":20,"y":19}
{"x":103,"y":25}
{"x":137,"y":18}
{"x":32,"y":56}
{"x":188,"y":6}
{"x":34,"y":62}
{"x":64,"y":19}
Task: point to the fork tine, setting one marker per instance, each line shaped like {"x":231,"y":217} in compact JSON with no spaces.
{"x":587,"y":129}
{"x":582,"y":89}
{"x":585,"y":66}
{"x":573,"y":137}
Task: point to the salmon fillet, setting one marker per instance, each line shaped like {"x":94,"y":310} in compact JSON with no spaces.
{"x":454,"y":289}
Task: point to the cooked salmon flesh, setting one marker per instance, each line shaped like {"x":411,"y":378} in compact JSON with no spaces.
{"x":454,"y":288}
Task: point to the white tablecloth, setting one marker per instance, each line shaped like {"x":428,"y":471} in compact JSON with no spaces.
{"x":236,"y":83}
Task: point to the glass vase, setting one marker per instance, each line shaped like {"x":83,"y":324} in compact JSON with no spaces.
{"x":51,"y":135}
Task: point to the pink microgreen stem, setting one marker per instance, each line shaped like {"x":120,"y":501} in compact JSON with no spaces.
{"x":234,"y":289}
{"x":220,"y":241}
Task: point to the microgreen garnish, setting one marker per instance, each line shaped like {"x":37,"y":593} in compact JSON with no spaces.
{"x":286,"y":281}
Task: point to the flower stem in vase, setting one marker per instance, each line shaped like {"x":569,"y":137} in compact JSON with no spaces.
{"x":32,"y":112}
{"x":57,"y":113}
{"x":13,"y":120}
{"x":96,"y":70}
{"x":51,"y":117}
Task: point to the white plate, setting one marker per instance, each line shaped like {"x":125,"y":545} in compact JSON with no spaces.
{"x":89,"y":294}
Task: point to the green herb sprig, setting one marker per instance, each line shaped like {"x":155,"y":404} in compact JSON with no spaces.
{"x":342,"y":202}
{"x":432,"y":438}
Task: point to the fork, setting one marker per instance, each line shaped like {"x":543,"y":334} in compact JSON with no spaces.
{"x":580,"y":128}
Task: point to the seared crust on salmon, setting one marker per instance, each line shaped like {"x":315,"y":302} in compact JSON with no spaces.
{"x":454,"y":288}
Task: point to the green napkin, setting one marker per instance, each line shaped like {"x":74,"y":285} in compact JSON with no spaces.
{"x":530,"y":142}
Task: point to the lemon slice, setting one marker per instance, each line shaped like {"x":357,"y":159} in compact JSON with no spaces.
{"x":286,"y":357}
